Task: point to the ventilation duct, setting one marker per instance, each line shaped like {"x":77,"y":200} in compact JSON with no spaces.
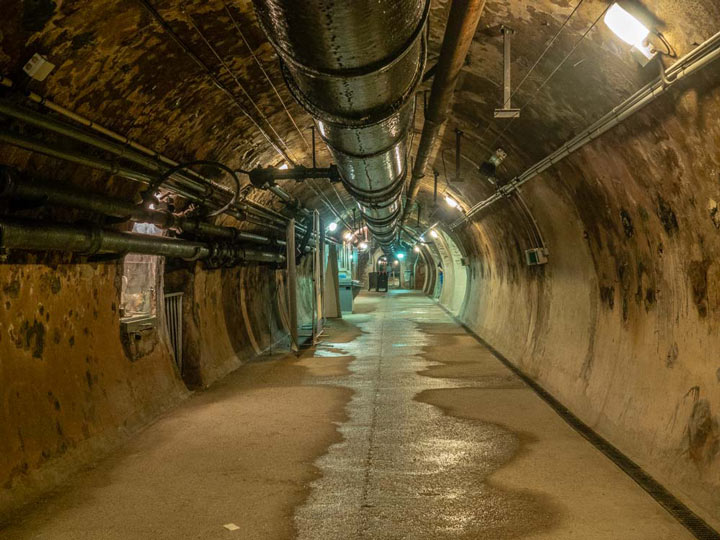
{"x":354,"y":66}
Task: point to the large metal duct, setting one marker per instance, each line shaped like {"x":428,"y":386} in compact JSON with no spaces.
{"x":354,"y":66}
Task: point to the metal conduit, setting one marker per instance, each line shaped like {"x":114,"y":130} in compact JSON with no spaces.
{"x":14,"y":186}
{"x":354,"y":66}
{"x":42,"y":236}
{"x":183,"y":183}
{"x":701,"y":56}
{"x":237,"y":210}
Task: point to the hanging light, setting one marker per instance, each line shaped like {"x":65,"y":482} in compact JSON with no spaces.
{"x":434,"y":233}
{"x":452,"y":203}
{"x":416,"y":249}
{"x":625,"y":26}
{"x":400,"y":256}
{"x":332,"y":226}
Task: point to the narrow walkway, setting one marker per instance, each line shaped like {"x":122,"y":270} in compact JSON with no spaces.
{"x":398,"y":426}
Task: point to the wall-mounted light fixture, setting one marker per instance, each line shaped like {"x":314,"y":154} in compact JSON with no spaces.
{"x":416,"y":249}
{"x":625,"y":25}
{"x":452,"y":203}
{"x":630,"y":23}
{"x":434,"y":233}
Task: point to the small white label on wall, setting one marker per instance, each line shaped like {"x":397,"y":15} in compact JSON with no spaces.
{"x":38,"y":67}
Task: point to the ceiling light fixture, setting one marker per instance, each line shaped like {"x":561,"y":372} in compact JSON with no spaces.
{"x":416,"y":249}
{"x":400,"y":256}
{"x":332,"y":226}
{"x":434,"y":233}
{"x":363,"y":245}
{"x":348,"y":236}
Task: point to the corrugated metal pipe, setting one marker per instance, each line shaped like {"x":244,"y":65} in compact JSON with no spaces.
{"x":459,"y":32}
{"x":354,"y":66}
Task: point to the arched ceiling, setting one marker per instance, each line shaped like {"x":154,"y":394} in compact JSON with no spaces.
{"x":118,"y":65}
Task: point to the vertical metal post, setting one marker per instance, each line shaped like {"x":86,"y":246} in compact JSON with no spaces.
{"x":506,"y":32}
{"x":317,"y":326}
{"x":458,"y":138}
{"x":312,"y":128}
{"x":292,"y":285}
{"x":435,"y":174}
{"x":507,"y":111}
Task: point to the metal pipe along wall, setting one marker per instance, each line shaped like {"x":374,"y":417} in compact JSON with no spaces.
{"x":354,"y":66}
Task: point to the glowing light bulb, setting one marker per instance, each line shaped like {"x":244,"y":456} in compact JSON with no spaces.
{"x":416,"y":249}
{"x":625,"y":26}
{"x":348,"y":236}
{"x":395,"y":263}
{"x":401,"y":256}
{"x":283,"y":166}
{"x":363,"y":245}
{"x":434,"y":233}
{"x":332,"y":226}
{"x":452,"y":203}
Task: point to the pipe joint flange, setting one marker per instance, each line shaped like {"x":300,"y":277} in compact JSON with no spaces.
{"x":376,"y":198}
{"x":375,"y":68}
{"x":96,"y":236}
{"x":375,"y":117}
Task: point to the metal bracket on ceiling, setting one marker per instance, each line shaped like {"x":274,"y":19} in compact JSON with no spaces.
{"x":506,"y":111}
{"x":264,"y":177}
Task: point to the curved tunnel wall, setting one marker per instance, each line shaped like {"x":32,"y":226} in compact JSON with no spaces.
{"x":71,"y":389}
{"x":622,"y":324}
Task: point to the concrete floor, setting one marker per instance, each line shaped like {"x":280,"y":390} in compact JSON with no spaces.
{"x":399,"y":425}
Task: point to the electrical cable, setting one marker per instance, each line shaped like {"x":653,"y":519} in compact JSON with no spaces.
{"x":168,"y":29}
{"x":267,"y":77}
{"x":542,"y":55}
{"x":153,"y":187}
{"x":237,"y":81}
{"x":552,"y":74}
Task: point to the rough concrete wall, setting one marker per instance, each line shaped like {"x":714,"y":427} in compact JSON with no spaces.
{"x":68,"y":390}
{"x":622,"y":324}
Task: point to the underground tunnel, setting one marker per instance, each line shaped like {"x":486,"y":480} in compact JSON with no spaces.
{"x":373,"y":269}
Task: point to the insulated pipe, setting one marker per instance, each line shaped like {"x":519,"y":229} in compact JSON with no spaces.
{"x":14,"y":186}
{"x":354,"y":66}
{"x":459,"y":32}
{"x":701,"y":56}
{"x":236,"y":210}
{"x":91,"y":240}
{"x":193,"y":179}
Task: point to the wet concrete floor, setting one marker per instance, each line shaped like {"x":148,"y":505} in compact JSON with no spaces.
{"x":398,"y":426}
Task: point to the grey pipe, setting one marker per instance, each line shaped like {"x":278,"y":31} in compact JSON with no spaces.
{"x":91,"y":240}
{"x":354,"y":67}
{"x":14,"y":186}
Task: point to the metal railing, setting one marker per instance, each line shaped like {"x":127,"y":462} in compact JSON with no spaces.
{"x":173,"y":319}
